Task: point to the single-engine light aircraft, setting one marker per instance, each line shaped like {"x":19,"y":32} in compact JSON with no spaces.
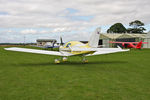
{"x":75,"y":48}
{"x":136,"y":45}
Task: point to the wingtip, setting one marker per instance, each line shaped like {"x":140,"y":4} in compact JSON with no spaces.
{"x":9,"y":48}
{"x":123,"y":49}
{"x":119,"y":47}
{"x":126,"y":49}
{"x":5,"y":48}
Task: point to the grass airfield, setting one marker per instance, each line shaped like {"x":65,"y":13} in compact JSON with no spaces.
{"x":118,"y":76}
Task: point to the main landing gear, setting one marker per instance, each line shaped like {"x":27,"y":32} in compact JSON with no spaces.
{"x":57,"y":61}
{"x":65,"y":59}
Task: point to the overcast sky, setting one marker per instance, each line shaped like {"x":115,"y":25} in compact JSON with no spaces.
{"x":73,"y":20}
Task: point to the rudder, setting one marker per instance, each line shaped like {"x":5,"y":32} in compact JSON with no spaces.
{"x":138,"y":46}
{"x":94,"y":39}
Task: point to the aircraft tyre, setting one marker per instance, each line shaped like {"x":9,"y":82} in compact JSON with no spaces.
{"x":85,"y":61}
{"x":64,"y":59}
{"x":56,"y":61}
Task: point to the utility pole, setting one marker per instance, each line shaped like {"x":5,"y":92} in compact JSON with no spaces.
{"x":24,"y":39}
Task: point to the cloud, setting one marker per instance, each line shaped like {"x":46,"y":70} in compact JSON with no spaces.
{"x":69,"y":16}
{"x":28,"y":31}
{"x":25,"y":13}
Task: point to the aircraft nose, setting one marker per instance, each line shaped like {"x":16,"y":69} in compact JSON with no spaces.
{"x":61,"y":47}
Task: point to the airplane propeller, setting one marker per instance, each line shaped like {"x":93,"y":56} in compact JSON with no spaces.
{"x":61,"y":41}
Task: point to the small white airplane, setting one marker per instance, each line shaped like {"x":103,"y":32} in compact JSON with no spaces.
{"x":75,"y":48}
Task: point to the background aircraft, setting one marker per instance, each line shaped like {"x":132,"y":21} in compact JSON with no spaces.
{"x":55,"y":45}
{"x":75,"y":48}
{"x":136,"y":45}
{"x":51,"y":45}
{"x":48,"y":46}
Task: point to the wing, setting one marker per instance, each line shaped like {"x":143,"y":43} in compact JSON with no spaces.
{"x":124,"y":42}
{"x":128,"y":42}
{"x":144,"y":42}
{"x":35,"y":51}
{"x":107,"y":51}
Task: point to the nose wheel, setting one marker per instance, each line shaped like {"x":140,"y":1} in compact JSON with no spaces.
{"x":84,"y":60}
{"x":64,"y":59}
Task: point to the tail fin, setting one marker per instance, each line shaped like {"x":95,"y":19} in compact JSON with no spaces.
{"x":94,"y":39}
{"x":138,"y":46}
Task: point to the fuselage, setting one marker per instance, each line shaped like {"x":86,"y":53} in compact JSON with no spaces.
{"x":130,"y":45}
{"x":66,"y":48}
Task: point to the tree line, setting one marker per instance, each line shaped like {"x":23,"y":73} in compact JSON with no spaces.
{"x":135,"y":27}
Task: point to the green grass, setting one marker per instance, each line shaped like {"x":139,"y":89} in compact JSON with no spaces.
{"x":119,"y":76}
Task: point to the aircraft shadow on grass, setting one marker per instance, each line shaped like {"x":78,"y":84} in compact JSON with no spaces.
{"x":71,"y":63}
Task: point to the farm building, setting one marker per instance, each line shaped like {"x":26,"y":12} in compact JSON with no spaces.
{"x":124,"y":37}
{"x":43,"y":42}
{"x":147,"y":39}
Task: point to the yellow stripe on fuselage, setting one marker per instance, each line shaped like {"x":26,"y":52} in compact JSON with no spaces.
{"x":77,"y":44}
{"x":82,"y":52}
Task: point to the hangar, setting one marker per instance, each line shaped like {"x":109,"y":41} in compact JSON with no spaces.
{"x":147,"y":39}
{"x":124,"y":37}
{"x":43,"y":42}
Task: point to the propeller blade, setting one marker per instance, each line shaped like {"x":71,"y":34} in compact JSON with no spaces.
{"x":61,"y":41}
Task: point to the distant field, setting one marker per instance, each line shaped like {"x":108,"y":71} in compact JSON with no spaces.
{"x":119,"y":76}
{"x":9,"y":45}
